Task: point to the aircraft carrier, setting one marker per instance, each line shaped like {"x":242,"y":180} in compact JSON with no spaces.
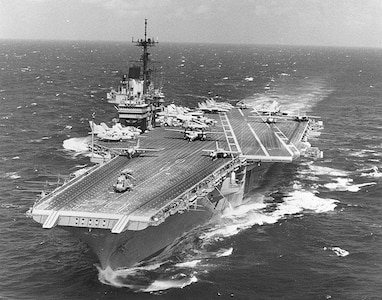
{"x":177,"y":186}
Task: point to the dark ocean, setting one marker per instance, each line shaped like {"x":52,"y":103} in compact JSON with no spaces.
{"x":312,"y":230}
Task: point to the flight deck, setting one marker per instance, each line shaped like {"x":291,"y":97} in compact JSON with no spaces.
{"x":167,"y":178}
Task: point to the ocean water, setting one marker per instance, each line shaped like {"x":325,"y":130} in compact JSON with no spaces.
{"x":312,"y":230}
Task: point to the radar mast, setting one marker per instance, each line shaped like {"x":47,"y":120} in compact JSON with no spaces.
{"x":145,"y":44}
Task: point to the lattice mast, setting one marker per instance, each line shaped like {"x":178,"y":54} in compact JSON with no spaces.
{"x":145,"y":44}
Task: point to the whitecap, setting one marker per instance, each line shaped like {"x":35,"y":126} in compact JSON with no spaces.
{"x":358,"y":186}
{"x":321,"y":170}
{"x":224,"y":252}
{"x":161,"y":285}
{"x":301,"y":200}
{"x":233,"y":225}
{"x":135,"y":278}
{"x":361,"y":153}
{"x":243,"y":209}
{"x":120,"y":277}
{"x":237,"y":219}
{"x":345,"y":184}
{"x":338,"y":251}
{"x":12,"y":175}
{"x":188,"y":264}
{"x":35,"y":141}
{"x":372,"y":172}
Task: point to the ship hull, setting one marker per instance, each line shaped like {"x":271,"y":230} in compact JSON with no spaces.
{"x":130,"y":247}
{"x":125,"y":249}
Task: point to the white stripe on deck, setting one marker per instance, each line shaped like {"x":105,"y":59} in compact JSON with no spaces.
{"x":254,"y":133}
{"x":258,"y":140}
{"x":282,"y":141}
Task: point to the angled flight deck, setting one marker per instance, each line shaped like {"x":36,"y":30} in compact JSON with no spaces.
{"x":259,"y":141}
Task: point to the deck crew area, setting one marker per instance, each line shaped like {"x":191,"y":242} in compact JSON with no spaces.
{"x":167,"y":174}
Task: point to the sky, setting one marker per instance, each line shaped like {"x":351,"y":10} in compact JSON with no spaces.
{"x":344,"y":23}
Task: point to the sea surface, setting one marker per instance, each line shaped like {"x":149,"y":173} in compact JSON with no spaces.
{"x":312,"y":230}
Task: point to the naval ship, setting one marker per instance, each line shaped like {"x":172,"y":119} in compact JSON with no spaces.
{"x":147,"y":192}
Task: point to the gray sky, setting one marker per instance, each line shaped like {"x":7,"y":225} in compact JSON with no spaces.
{"x":294,"y":22}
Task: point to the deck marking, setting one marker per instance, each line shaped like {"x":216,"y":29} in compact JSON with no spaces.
{"x":230,"y":131}
{"x":132,"y":210}
{"x":284,"y":144}
{"x":254,"y":133}
{"x":281,"y":139}
{"x":258,"y":140}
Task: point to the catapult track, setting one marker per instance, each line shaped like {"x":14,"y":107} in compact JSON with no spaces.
{"x":178,"y":171}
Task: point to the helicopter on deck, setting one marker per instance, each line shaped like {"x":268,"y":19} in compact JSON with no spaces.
{"x":124,"y":181}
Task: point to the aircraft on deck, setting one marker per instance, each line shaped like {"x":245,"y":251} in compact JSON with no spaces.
{"x":208,"y":121}
{"x":197,"y":121}
{"x":242,"y":105}
{"x":193,"y":134}
{"x":302,"y":118}
{"x":270,"y":119}
{"x":179,"y":118}
{"x":194,"y":124}
{"x":219,"y":152}
{"x":213,"y":107}
{"x":134,"y":150}
{"x":273,"y":109}
{"x":116,"y":133}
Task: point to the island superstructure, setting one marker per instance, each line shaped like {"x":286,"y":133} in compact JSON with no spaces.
{"x":177,"y":179}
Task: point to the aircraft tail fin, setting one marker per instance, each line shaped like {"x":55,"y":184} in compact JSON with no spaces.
{"x":96,"y":129}
{"x":104,"y":126}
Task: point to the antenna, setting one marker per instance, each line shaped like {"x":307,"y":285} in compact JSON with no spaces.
{"x":145,"y":44}
{"x":93,"y":116}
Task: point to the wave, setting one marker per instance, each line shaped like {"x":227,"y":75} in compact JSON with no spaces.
{"x":338,"y":251}
{"x":327,"y":171}
{"x":372,"y":172}
{"x":363,"y":153}
{"x":77,"y":145}
{"x":346,"y":184}
{"x":336,"y":179}
{"x":10,"y":175}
